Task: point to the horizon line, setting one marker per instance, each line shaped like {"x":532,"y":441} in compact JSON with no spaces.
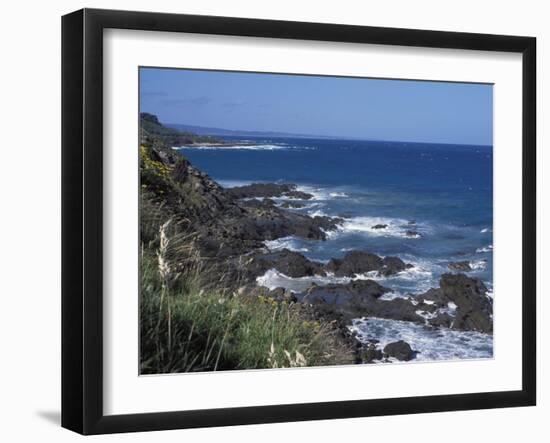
{"x":339,"y":137}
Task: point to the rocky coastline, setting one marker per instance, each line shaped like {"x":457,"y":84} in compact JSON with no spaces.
{"x":230,"y":227}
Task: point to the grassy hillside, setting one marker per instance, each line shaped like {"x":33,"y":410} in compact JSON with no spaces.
{"x":170,"y":136}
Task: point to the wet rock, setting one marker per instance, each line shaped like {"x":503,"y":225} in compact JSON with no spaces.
{"x":355,"y":262}
{"x":300,"y":195}
{"x":380,"y":226}
{"x":371,"y":353}
{"x":268,"y":190}
{"x":462,"y":266}
{"x":442,"y":320}
{"x":290,"y":263}
{"x":473,"y":308}
{"x":412,"y":234}
{"x":393,"y":265}
{"x":292,"y":204}
{"x":360,"y":262}
{"x":360,"y":298}
{"x":327,"y":223}
{"x":400,"y":350}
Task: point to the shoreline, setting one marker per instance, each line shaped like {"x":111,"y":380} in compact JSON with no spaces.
{"x":232,"y":226}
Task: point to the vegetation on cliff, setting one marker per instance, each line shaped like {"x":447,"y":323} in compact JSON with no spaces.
{"x":169,"y":136}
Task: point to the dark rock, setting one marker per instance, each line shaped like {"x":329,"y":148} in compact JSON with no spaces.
{"x":341,"y":294}
{"x":413,"y":234}
{"x":292,"y":204}
{"x":371,"y":353}
{"x":290,"y":263}
{"x":360,"y":262}
{"x":380,"y":226}
{"x":400,"y":350}
{"x":300,"y":195}
{"x":268,"y":190}
{"x":360,"y":298}
{"x":393,"y":265}
{"x":474,"y":309}
{"x":442,"y":320}
{"x":355,"y":262}
{"x":412,"y":222}
{"x":462,"y":266}
{"x":327,"y":223}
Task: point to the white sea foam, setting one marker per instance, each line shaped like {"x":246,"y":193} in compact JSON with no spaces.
{"x":452,"y":307}
{"x":478,"y":265}
{"x":338,"y":194}
{"x":317,"y":192}
{"x":274,"y":279}
{"x":290,"y":243}
{"x":426,"y":315}
{"x":422,"y":276}
{"x":416,"y":279}
{"x":395,"y":227}
{"x":317,"y":213}
{"x":240,"y":147}
{"x":488,"y":248}
{"x":486,"y":230}
{"x":233,"y":183}
{"x":388,"y":296}
{"x":431,"y":343}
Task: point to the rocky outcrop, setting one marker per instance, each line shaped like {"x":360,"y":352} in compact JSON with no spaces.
{"x":361,"y":262}
{"x":400,"y":350}
{"x":459,"y":303}
{"x":360,"y":298}
{"x":223,"y":224}
{"x":262,"y":190}
{"x":290,"y":263}
{"x":466,"y":298}
{"x":370,"y":353}
{"x":461,"y":266}
{"x":292,"y":205}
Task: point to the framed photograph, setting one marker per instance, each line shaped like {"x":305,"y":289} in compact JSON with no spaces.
{"x":268,"y":221}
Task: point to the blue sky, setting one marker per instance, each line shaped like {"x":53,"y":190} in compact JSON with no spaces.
{"x":436,"y":112}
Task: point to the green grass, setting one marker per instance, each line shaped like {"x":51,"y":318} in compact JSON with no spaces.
{"x":184,"y":328}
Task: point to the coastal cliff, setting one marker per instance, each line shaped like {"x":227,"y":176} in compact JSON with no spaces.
{"x":190,"y":225}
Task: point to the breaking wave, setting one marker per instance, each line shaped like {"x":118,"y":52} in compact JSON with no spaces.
{"x":488,"y":248}
{"x":431,"y":344}
{"x":383,"y":227}
{"x":290,"y":243}
{"x":246,"y":147}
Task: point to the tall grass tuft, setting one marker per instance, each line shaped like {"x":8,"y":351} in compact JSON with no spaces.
{"x":187,"y":325}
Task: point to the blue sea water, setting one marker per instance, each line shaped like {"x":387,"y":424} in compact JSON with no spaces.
{"x":444,"y":193}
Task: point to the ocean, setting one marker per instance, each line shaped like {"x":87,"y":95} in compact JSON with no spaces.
{"x":436,"y":200}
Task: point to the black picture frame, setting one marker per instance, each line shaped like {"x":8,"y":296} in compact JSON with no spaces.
{"x":82,"y":218}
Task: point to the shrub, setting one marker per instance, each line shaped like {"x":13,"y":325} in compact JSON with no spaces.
{"x":185,"y":327}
